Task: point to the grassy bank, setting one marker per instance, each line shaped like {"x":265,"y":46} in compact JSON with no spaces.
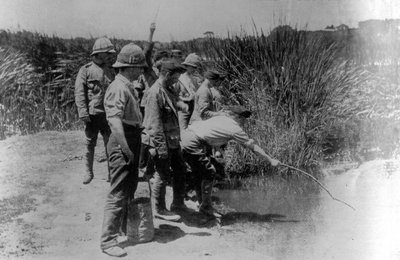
{"x":315,"y":97}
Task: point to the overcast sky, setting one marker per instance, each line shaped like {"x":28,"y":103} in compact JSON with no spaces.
{"x":184,"y":19}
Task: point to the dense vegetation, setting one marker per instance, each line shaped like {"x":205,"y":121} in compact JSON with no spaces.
{"x":315,"y":95}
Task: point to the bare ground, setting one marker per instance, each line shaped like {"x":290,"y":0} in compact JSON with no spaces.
{"x":47,"y":213}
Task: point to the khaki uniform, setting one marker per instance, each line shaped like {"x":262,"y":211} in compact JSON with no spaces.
{"x":204,"y":103}
{"x":121,"y":101}
{"x":188,"y":87}
{"x":196,"y":144}
{"x":162,"y":133}
{"x":91,"y":84}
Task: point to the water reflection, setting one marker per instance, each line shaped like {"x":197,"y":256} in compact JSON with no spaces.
{"x":319,"y":227}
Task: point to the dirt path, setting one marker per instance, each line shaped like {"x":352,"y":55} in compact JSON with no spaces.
{"x":48,"y":214}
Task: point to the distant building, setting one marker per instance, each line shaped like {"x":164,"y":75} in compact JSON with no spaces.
{"x":342,"y":28}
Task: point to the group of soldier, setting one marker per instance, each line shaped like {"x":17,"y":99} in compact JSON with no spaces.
{"x":160,"y":115}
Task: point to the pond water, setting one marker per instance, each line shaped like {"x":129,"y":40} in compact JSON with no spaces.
{"x":288,"y":223}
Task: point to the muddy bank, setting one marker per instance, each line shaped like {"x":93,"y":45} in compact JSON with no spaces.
{"x":47,"y":213}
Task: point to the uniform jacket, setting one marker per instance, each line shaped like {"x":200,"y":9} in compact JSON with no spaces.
{"x":161,"y":119}
{"x":121,"y":100}
{"x":187,"y":86}
{"x":90,"y":86}
{"x":204,"y":103}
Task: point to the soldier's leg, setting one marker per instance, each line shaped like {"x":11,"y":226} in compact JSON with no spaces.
{"x":91,"y":132}
{"x":105,"y":131}
{"x":207,"y":172}
{"x":160,"y":182}
{"x":134,"y":142}
{"x":192,"y":148}
{"x":123,"y":185}
{"x":178,"y":179}
{"x":159,"y":189}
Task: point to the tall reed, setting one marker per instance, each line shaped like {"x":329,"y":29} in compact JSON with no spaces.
{"x":297,"y":84}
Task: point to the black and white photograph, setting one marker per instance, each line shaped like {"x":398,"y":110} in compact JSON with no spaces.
{"x":200,"y":129}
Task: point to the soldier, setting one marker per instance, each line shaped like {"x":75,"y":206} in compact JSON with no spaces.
{"x":177,"y":55}
{"x":216,"y":131}
{"x":205,"y":105}
{"x":123,"y":114}
{"x":162,"y":136}
{"x":148,"y":78}
{"x":188,"y":85}
{"x":90,"y":85}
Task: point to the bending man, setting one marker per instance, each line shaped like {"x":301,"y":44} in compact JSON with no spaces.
{"x":216,"y":131}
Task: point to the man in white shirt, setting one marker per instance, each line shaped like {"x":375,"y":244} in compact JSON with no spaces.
{"x":215,"y":131}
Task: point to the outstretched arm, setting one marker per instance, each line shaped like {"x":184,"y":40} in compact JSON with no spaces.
{"x":260,"y":152}
{"x":241,"y":137}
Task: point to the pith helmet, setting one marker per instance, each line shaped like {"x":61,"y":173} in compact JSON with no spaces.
{"x":241,"y":111}
{"x":161,"y":54}
{"x":172,"y":66}
{"x":192,"y":60}
{"x":103,"y":45}
{"x":130,"y":55}
{"x":213,"y":74}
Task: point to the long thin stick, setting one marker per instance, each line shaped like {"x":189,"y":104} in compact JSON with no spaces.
{"x":319,"y":183}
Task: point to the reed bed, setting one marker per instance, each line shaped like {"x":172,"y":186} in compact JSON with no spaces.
{"x":299,"y":87}
{"x":313,"y":96}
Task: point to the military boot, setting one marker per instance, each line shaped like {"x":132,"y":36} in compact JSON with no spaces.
{"x":178,"y":202}
{"x":89,"y":157}
{"x":206,"y":207}
{"x":160,"y":210}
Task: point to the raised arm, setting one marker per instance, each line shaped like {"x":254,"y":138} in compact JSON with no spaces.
{"x":148,"y":50}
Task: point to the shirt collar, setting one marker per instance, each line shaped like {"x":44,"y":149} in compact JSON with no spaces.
{"x":123,"y":79}
{"x":127,"y":83}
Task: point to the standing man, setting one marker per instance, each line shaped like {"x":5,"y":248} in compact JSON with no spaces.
{"x":90,"y":86}
{"x":177,"y":55}
{"x":123,"y":114}
{"x":162,"y":136}
{"x":188,"y":85}
{"x":148,"y":78}
{"x":216,"y":131}
{"x":204,"y":99}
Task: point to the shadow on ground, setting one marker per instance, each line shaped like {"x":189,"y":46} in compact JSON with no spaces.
{"x":166,"y":233}
{"x":234,"y":217}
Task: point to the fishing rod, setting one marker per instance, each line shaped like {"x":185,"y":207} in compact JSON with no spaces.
{"x":319,"y":183}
